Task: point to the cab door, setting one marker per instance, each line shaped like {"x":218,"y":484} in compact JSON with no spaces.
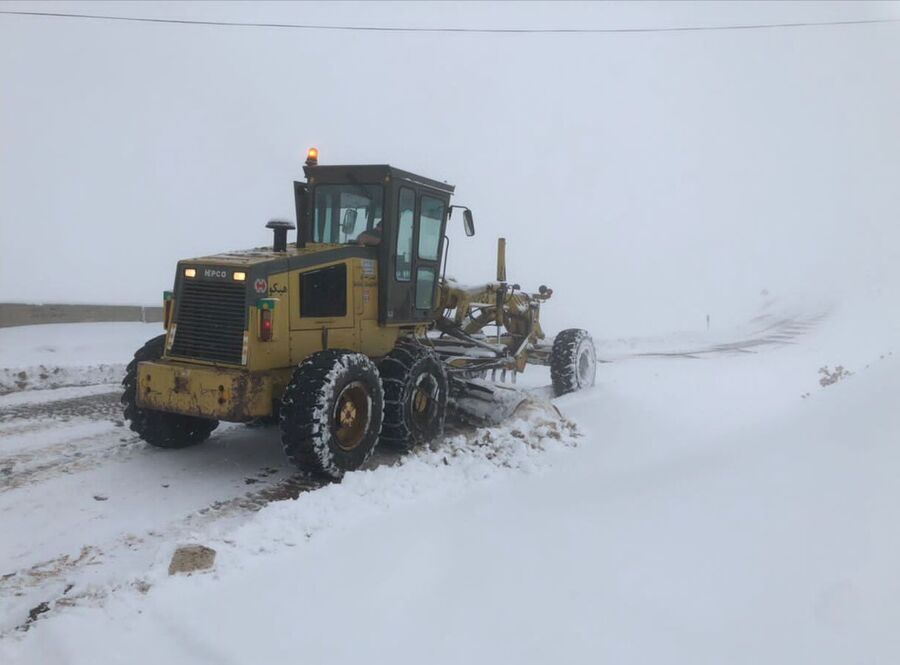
{"x":428,"y":245}
{"x":415,"y":255}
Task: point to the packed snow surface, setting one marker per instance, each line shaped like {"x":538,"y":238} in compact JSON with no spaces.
{"x":712,"y":499}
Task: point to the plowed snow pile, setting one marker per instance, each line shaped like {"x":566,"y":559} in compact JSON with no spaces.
{"x":720,"y":508}
{"x":65,"y":354}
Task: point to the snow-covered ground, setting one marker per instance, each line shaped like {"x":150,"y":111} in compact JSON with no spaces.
{"x":708,"y":501}
{"x":65,"y":354}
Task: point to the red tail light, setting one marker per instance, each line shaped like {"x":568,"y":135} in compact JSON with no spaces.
{"x":265,"y":325}
{"x":266,"y":309}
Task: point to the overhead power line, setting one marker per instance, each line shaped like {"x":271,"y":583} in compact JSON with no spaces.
{"x":372,"y":28}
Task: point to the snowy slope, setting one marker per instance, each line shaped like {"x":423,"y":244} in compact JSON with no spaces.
{"x":726,"y":508}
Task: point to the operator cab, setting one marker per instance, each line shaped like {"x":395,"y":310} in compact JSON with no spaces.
{"x":397,"y":216}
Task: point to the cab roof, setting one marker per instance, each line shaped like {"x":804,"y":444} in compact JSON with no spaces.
{"x":370,"y":174}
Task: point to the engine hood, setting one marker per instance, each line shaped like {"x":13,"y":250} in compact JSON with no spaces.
{"x":262,"y":262}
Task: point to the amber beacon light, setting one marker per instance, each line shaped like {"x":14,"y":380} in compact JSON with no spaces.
{"x":312,"y":156}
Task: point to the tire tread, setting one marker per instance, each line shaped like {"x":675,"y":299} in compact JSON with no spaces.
{"x":563,"y":359}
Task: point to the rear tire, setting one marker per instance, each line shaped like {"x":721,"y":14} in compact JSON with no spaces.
{"x":415,"y":396}
{"x":573,"y":361}
{"x":331,"y":413}
{"x":158,"y":428}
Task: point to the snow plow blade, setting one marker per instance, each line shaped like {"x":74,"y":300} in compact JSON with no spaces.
{"x":484,"y":403}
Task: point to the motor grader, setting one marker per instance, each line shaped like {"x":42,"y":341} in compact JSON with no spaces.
{"x":349,"y":337}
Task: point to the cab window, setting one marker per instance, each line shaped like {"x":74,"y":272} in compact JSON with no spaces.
{"x":431,"y":218}
{"x":344,"y":212}
{"x":425,"y":288}
{"x":406,"y":213}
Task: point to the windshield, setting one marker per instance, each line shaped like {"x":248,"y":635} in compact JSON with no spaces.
{"x":345,"y":212}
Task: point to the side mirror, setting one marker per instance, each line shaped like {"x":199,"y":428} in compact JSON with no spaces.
{"x":468,"y":222}
{"x":348,"y":223}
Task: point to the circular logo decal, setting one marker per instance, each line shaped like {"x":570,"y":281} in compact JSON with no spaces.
{"x":261,"y":286}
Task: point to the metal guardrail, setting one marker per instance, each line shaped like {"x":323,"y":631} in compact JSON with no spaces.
{"x":22,"y":314}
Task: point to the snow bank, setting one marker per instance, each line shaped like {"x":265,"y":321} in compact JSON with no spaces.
{"x":445,"y":471}
{"x":68,"y":354}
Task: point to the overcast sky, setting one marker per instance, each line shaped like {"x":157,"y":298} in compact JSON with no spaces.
{"x":649,"y":178}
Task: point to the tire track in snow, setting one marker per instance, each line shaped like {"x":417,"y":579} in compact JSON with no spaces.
{"x":74,"y":455}
{"x":104,"y":406}
{"x":39,"y":458}
{"x":768,"y":332}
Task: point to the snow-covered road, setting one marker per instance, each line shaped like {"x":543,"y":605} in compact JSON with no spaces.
{"x":86,"y":505}
{"x":84,"y":501}
{"x":708,"y":501}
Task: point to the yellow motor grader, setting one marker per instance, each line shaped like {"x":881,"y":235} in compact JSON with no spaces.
{"x":350,"y":337}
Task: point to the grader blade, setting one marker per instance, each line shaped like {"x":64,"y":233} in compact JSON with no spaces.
{"x":485,"y":403}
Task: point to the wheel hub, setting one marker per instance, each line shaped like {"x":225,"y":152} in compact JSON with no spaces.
{"x":348,"y":414}
{"x":423,"y":397}
{"x":351,"y":415}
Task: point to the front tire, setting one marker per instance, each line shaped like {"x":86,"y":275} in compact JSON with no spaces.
{"x":573,"y":361}
{"x":331,"y":413}
{"x":158,"y":428}
{"x":415,"y":396}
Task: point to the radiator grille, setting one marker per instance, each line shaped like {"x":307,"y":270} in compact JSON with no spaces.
{"x":211,"y":320}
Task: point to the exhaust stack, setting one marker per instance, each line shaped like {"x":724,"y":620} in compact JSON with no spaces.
{"x":279,"y":229}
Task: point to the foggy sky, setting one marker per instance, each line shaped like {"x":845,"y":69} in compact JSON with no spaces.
{"x":649,"y":179}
